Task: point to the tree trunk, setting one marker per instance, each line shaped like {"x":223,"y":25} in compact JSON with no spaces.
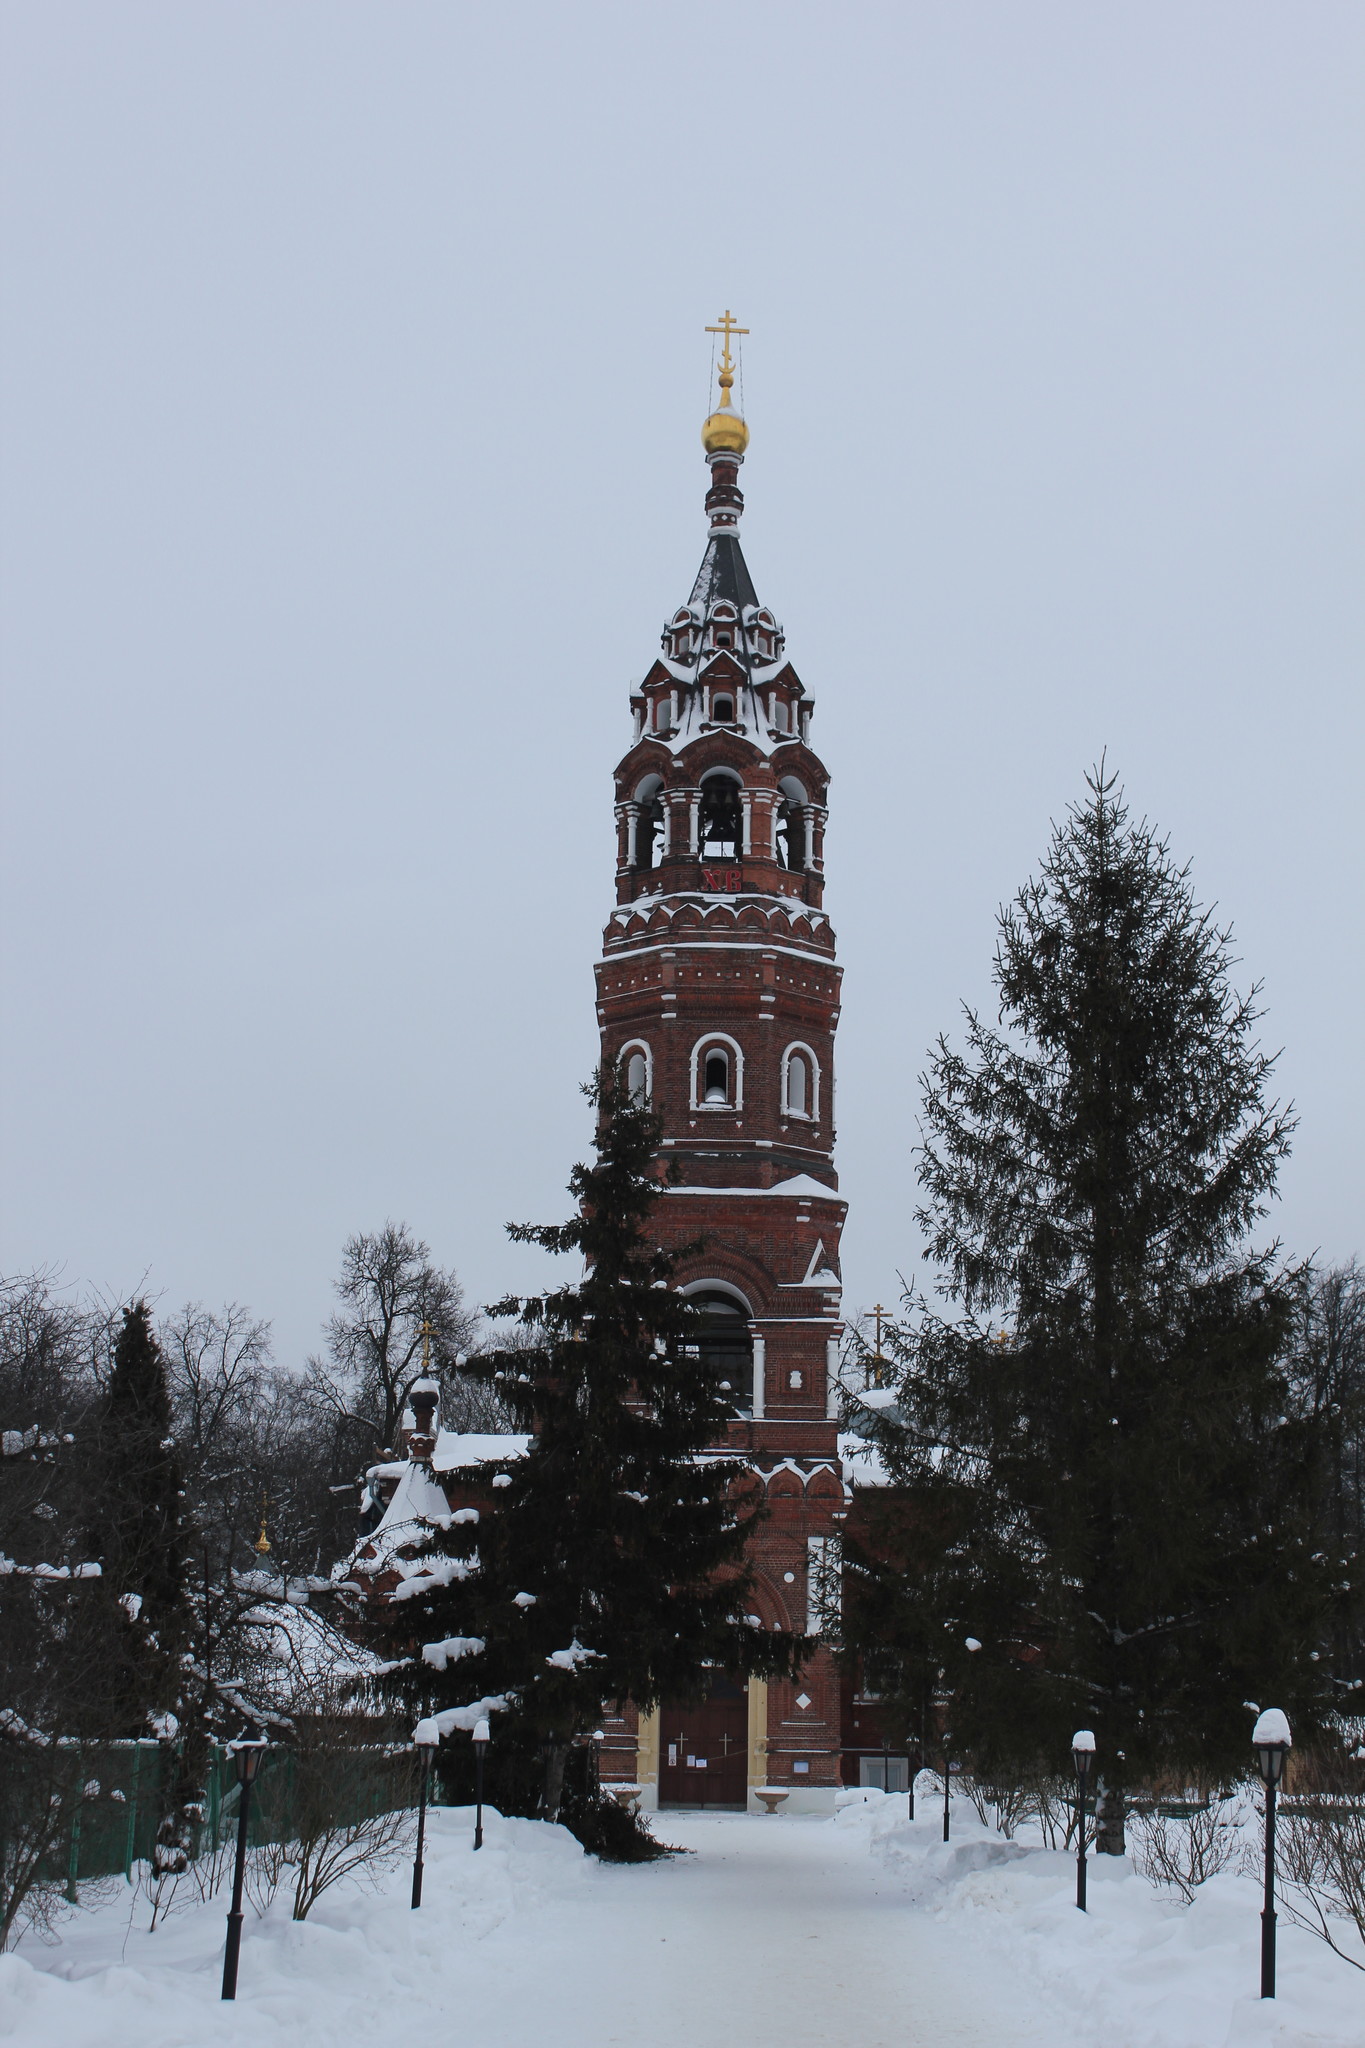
{"x":556,"y":1756}
{"x":1109,"y":1814}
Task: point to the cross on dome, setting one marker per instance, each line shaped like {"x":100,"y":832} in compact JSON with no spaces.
{"x":725,"y":432}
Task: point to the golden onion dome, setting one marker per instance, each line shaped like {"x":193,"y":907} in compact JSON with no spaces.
{"x":725,"y":432}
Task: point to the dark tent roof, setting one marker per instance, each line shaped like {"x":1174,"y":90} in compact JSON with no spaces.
{"x":724,"y":574}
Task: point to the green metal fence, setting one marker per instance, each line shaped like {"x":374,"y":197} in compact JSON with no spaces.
{"x":117,"y":1793}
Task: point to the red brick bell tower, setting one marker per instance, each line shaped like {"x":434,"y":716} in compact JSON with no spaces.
{"x":718,"y":998}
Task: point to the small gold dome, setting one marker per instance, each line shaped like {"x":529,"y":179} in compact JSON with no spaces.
{"x":725,"y":434}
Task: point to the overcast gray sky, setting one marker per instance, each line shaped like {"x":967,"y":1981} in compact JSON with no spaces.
{"x":353,"y":370}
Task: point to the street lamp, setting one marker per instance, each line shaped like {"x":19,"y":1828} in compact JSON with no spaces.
{"x":1272,"y":1742}
{"x":947,"y":1767}
{"x":480,"y":1745}
{"x":246,"y":1755}
{"x":425,"y":1735}
{"x":1082,"y":1750}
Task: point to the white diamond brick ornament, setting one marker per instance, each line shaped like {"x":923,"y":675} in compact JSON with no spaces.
{"x":803,"y":1700}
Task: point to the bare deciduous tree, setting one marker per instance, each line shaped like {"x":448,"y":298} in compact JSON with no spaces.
{"x":391,"y":1294}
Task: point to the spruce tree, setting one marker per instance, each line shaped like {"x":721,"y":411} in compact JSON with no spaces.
{"x":608,"y":1562}
{"x":140,"y":1539}
{"x":1105,"y":1487}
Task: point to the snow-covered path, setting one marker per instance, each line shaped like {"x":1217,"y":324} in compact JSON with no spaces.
{"x":784,"y":1927}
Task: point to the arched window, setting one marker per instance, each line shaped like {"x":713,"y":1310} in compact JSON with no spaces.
{"x":717,"y":1073}
{"x":724,"y":1347}
{"x":801,"y":1083}
{"x":721,"y":828}
{"x":723,"y":710}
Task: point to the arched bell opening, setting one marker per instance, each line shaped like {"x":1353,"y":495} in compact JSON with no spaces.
{"x":720,"y":830}
{"x":724,"y":1347}
{"x":649,"y":822}
{"x":791,"y":824}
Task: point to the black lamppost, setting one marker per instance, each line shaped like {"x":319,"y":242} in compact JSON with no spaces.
{"x":947,"y":1767}
{"x":246,"y":1754}
{"x":1272,"y":1742}
{"x":1082,"y":1750}
{"x":426,"y":1738}
{"x":480,"y":1745}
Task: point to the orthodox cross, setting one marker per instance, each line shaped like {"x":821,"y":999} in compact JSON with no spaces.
{"x":727,"y":327}
{"x":878,"y":1360}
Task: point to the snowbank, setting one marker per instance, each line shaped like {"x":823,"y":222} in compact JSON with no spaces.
{"x":1138,"y":1969}
{"x":361,"y":1961}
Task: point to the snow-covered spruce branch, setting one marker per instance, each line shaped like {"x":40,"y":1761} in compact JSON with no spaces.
{"x":441,"y":1655}
{"x":435,"y":1727}
{"x":49,"y":1573}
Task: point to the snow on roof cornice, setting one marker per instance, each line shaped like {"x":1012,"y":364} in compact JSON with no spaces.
{"x":790,"y":908}
{"x":802,"y":1186}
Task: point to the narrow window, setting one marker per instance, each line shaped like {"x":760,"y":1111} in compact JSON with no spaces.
{"x":637,"y":1079}
{"x":723,"y":711}
{"x":716,"y":1077}
{"x":797,"y":1095}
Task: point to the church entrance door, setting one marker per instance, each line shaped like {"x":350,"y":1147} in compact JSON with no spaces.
{"x":704,"y":1748}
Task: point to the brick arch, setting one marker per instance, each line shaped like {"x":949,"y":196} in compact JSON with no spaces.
{"x":725,"y":1262}
{"x":768,"y":1604}
{"x":722,"y":750}
{"x":825,"y":1485}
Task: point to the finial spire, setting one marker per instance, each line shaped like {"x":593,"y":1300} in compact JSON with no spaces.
{"x":725,"y":432}
{"x":728,"y":326}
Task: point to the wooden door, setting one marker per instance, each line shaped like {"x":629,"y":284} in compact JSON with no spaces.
{"x":704,"y":1748}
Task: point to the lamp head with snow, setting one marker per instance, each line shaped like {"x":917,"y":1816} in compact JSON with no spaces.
{"x":246,"y":1756}
{"x":481,"y":1734}
{"x":1082,"y":1750}
{"x":1272,"y":1742}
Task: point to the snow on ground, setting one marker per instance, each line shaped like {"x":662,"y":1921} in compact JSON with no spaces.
{"x":857,"y":1932}
{"x":1138,"y":1969}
